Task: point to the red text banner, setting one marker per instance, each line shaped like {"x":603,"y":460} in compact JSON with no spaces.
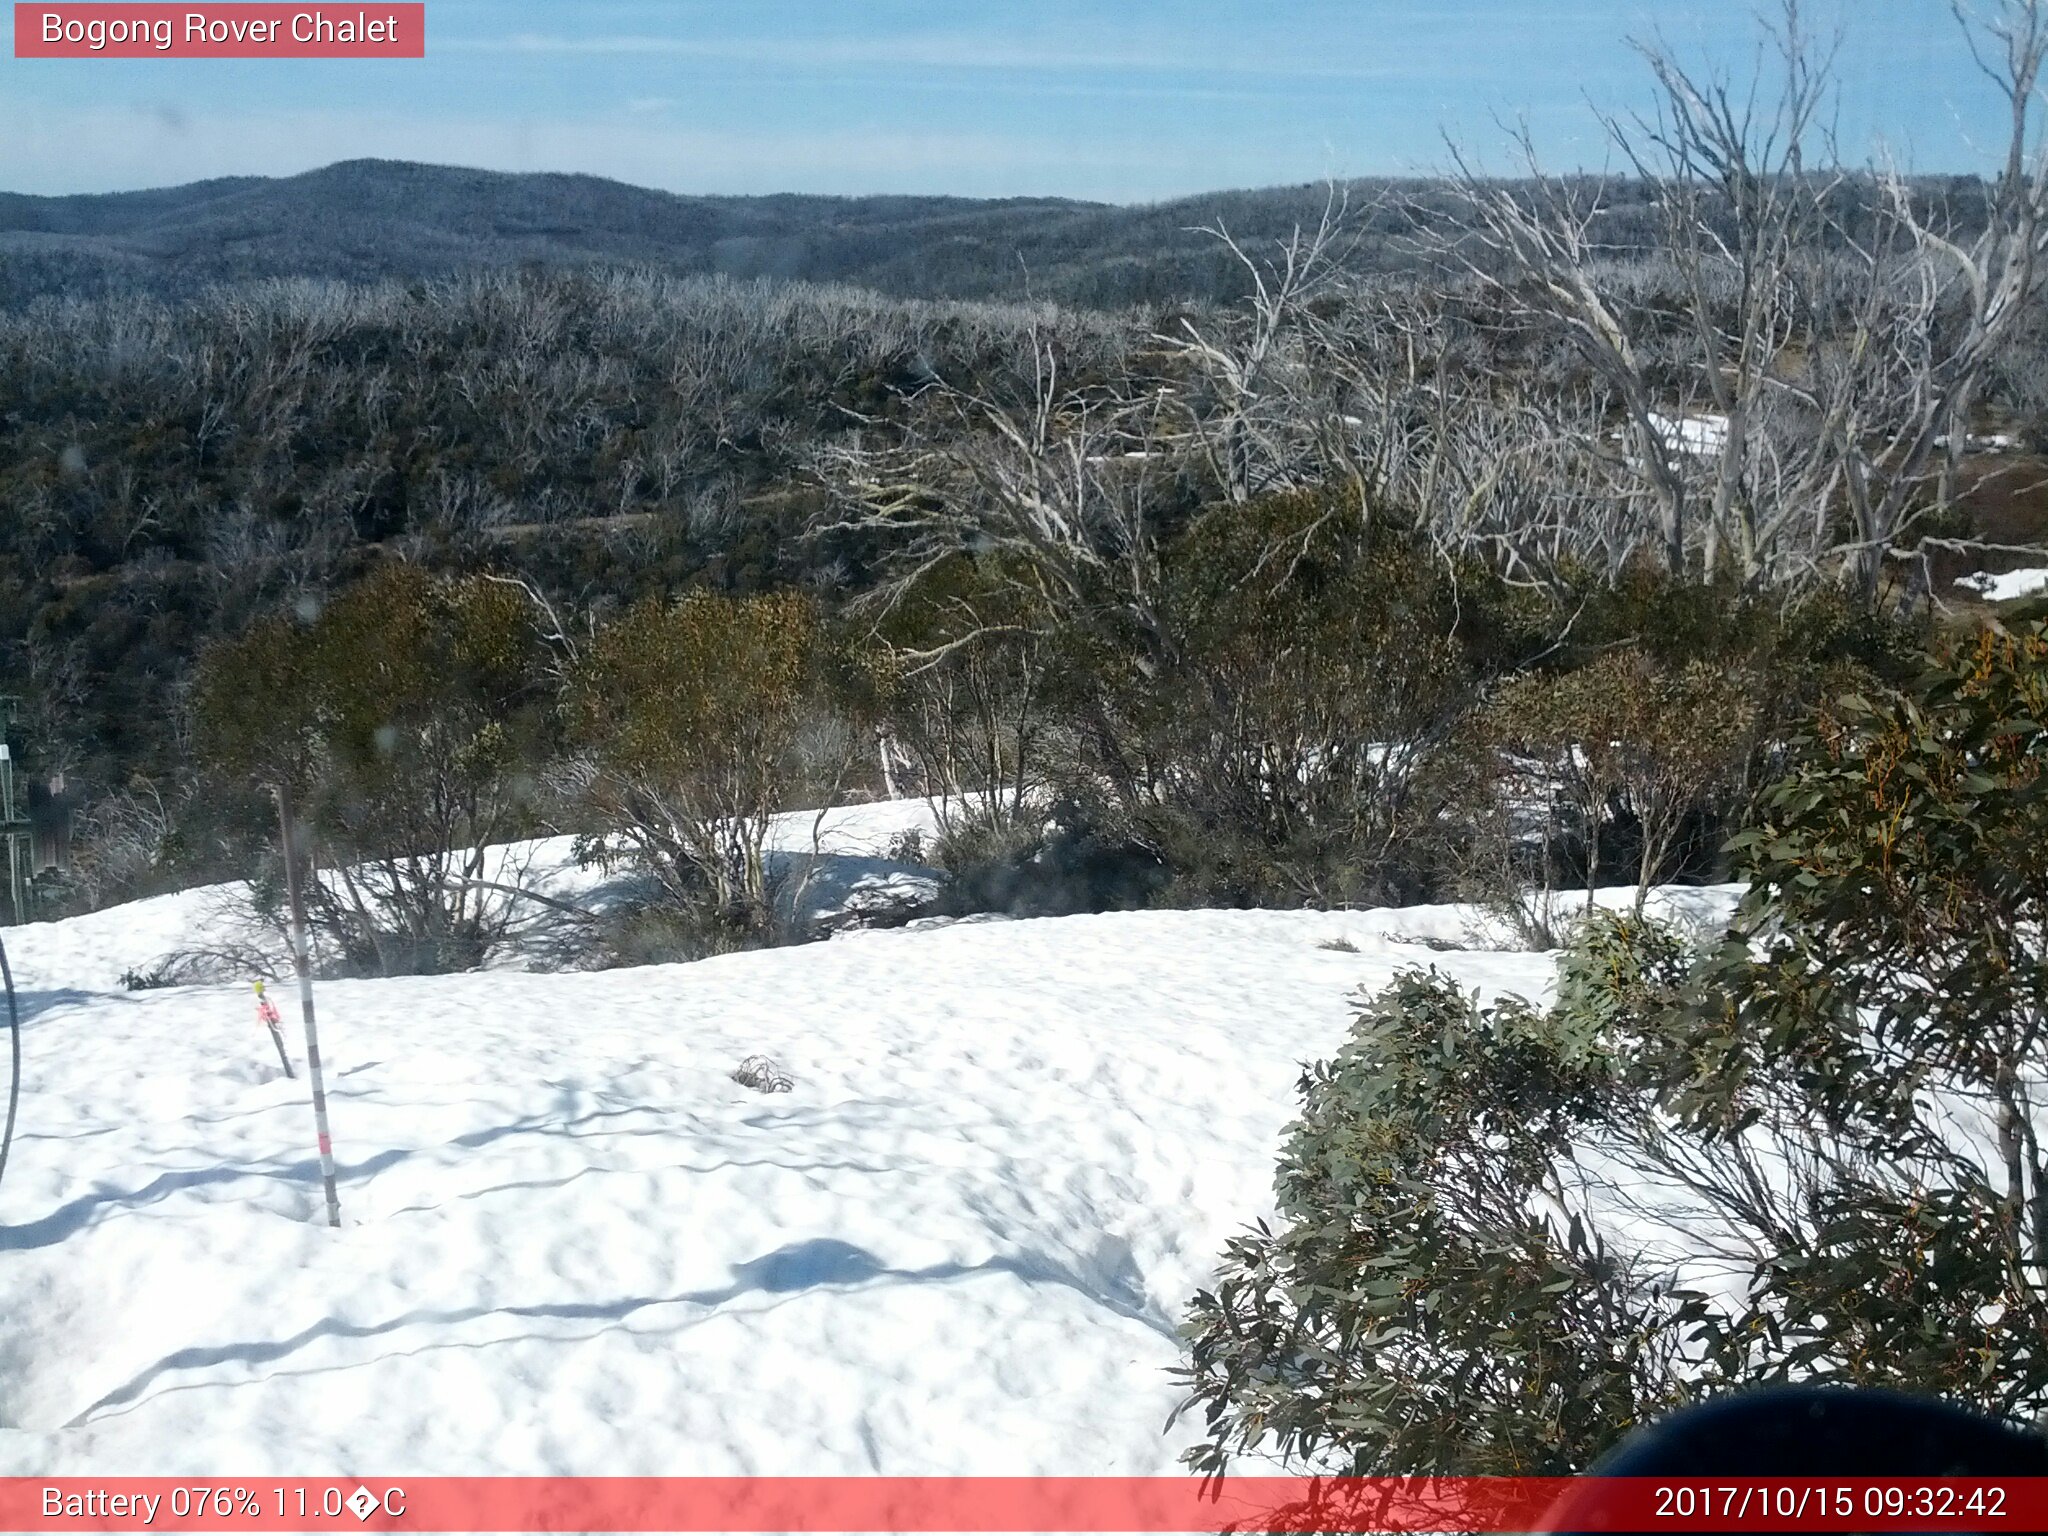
{"x":109,"y":29}
{"x":1054,"y":1504}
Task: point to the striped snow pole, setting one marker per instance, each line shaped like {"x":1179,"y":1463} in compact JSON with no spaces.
{"x":302,"y":962}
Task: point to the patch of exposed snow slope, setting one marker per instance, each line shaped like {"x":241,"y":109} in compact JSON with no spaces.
{"x":2006,"y":586}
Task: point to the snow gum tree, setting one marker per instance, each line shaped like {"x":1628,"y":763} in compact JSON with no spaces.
{"x":960,"y":670}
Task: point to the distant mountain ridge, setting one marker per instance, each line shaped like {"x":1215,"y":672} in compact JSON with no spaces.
{"x":365,"y":220}
{"x":368,"y":219}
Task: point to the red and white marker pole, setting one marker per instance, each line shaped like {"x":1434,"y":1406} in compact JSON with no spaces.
{"x":302,"y":962}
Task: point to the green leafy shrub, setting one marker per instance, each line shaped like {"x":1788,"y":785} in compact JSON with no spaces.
{"x":1049,"y":868}
{"x":977,"y":839}
{"x":1418,"y":1310}
{"x":1625,"y":742}
{"x":1793,"y":653}
{"x":1620,"y":981}
{"x":693,"y":723}
{"x":1831,"y":1117}
{"x":1884,"y":1006}
{"x":408,"y":717}
{"x":1294,"y":747}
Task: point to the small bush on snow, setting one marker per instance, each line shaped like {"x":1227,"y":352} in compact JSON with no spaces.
{"x":692,"y":723}
{"x":763,"y":1075}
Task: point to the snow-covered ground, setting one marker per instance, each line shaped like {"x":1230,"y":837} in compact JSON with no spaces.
{"x":2006,"y":586}
{"x":1702,"y":433}
{"x":571,"y":1243}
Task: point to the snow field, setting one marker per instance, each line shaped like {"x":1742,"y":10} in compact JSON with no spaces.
{"x":572,"y":1244}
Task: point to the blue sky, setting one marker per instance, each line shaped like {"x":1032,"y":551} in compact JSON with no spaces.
{"x":1119,"y":100}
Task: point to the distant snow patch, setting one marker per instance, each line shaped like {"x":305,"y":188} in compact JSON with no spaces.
{"x":1988,"y":442}
{"x":1702,"y":434}
{"x":2006,"y":586}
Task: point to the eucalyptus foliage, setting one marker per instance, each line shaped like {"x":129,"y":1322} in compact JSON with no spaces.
{"x":692,"y":723}
{"x":406,"y":716}
{"x":1841,"y":1098}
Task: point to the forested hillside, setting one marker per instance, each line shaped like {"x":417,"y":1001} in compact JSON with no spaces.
{"x":170,"y":470}
{"x":367,"y":220}
{"x":1055,"y":483}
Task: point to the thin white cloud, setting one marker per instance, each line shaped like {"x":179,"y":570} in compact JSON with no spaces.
{"x":921,"y":51}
